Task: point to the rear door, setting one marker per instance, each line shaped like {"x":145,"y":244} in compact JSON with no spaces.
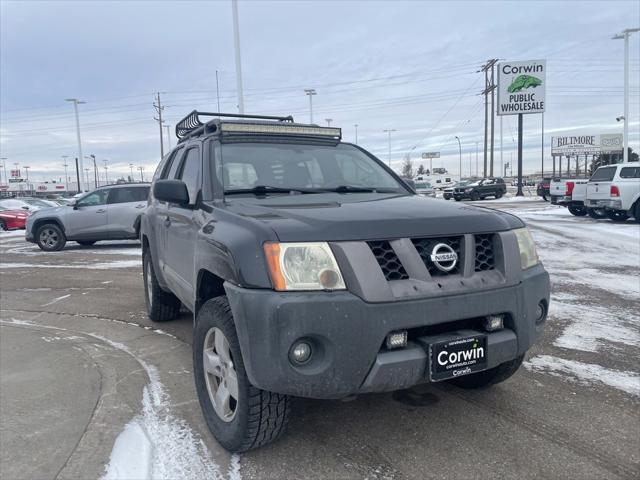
{"x":599,"y":185}
{"x":125,"y":205}
{"x":88,"y":220}
{"x":628,"y":182}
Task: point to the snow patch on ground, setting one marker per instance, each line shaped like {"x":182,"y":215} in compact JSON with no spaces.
{"x":93,"y":266}
{"x":591,"y":326}
{"x":585,"y":373}
{"x":175,"y":450}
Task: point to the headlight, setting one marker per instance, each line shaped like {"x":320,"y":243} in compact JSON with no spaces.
{"x":467,"y":190}
{"x":303,"y":266}
{"x":528,"y":254}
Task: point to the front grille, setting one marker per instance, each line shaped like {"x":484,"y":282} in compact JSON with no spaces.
{"x":388,"y":260}
{"x":485,"y":258}
{"x":424,"y":246}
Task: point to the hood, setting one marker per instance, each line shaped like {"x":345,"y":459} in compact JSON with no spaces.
{"x":15,"y":213}
{"x":336,"y":217}
{"x":50,"y":211}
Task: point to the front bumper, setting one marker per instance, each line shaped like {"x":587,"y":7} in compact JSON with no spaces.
{"x":347,"y":335}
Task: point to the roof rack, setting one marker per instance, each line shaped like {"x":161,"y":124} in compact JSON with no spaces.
{"x":192,"y":122}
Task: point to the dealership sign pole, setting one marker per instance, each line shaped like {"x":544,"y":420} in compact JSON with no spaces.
{"x":521,"y":89}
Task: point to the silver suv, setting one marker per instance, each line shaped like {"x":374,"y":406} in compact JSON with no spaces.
{"x":111,"y":212}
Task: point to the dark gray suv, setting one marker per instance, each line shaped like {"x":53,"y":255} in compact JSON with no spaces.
{"x":313,"y":270}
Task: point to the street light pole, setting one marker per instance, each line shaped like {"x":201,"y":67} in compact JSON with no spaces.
{"x":76,"y":102}
{"x":141,"y":168}
{"x":86,"y":175}
{"x":389,"y":132}
{"x":236,"y":44}
{"x":131,"y":170}
{"x":106,"y":176}
{"x":460,"y":152}
{"x":625,"y":36}
{"x":310,"y":92}
{"x":356,"y":125}
{"x":66,"y":177}
{"x":4,"y":168}
{"x":329,"y":120}
{"x":168,"y":127}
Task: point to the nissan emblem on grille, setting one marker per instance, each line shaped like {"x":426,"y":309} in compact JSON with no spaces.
{"x":444,"y":257}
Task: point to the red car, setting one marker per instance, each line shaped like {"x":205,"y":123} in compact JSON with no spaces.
{"x":12,"y":219}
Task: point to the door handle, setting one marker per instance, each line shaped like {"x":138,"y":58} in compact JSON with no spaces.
{"x":141,"y":205}
{"x":102,"y":210}
{"x":167,"y":222}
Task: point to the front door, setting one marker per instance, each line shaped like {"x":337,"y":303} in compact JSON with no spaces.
{"x":182,"y":227}
{"x":89,"y":218}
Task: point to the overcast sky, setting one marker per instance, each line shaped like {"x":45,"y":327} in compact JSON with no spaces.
{"x":409,"y":66}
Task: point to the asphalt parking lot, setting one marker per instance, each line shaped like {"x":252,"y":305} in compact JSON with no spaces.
{"x":79,"y":360}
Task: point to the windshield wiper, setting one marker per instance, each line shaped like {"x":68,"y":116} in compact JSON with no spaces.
{"x":264,"y":189}
{"x":353,"y":189}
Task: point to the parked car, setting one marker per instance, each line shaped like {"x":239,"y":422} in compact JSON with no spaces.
{"x":425,"y":189}
{"x":313,"y":270}
{"x":12,"y":219}
{"x":447,"y":193}
{"x":18,"y":204}
{"x":616,"y":189}
{"x":487,"y":187}
{"x":107,"y":213}
{"x":39,"y":202}
{"x":542,"y":189}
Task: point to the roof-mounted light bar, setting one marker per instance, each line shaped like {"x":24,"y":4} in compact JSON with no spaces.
{"x":280,"y":129}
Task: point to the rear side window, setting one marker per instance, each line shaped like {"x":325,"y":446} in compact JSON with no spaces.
{"x":170,"y":168}
{"x":630,"y":172}
{"x":128,"y":194}
{"x":190,"y":172}
{"x":603,"y":174}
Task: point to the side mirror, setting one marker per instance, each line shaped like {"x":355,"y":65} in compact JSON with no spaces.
{"x":171,"y":191}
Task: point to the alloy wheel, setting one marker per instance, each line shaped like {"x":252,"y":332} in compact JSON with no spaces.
{"x":220,"y":375}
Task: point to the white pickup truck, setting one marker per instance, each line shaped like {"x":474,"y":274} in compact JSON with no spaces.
{"x":572,"y":193}
{"x":616,"y":189}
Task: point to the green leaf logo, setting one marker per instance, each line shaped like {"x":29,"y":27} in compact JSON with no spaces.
{"x":523,"y":82}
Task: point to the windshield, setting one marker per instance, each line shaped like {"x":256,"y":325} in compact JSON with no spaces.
{"x":423,"y":185}
{"x":267,"y":168}
{"x":603,"y":174}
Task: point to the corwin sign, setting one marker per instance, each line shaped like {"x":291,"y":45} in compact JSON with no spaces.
{"x":522,"y":87}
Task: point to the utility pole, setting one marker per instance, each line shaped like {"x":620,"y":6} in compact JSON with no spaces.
{"x":501,"y":164}
{"x":168,"y":127}
{"x":356,"y":125}
{"x":159,"y":108}
{"x":489,"y":87}
{"x":310,"y":92}
{"x":66,"y":177}
{"x":329,"y":120}
{"x":217,"y":92}
{"x":460,"y":152}
{"x":624,"y":35}
{"x":236,"y":44}
{"x":493,"y":115}
{"x":77,"y":102}
{"x":389,"y":132}
{"x":26,"y":168}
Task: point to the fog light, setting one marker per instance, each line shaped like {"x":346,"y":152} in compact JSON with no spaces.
{"x":300,"y":352}
{"x":397,"y":339}
{"x":493,"y":322}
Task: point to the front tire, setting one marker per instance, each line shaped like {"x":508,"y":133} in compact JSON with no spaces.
{"x":161,"y":306}
{"x":577,"y":210}
{"x":50,"y":238}
{"x":498,"y":195}
{"x":596,"y":213}
{"x":617,"y":216}
{"x":475,"y":196}
{"x":253,"y":417}
{"x":636,"y":212}
{"x":3,"y":226}
{"x":489,"y":377}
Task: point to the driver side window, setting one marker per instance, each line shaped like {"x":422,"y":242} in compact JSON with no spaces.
{"x":95,"y":198}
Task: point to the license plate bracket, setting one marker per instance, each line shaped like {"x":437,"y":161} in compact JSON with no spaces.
{"x":456,"y":357}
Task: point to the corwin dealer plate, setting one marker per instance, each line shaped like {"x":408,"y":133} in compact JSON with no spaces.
{"x":458,"y":357}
